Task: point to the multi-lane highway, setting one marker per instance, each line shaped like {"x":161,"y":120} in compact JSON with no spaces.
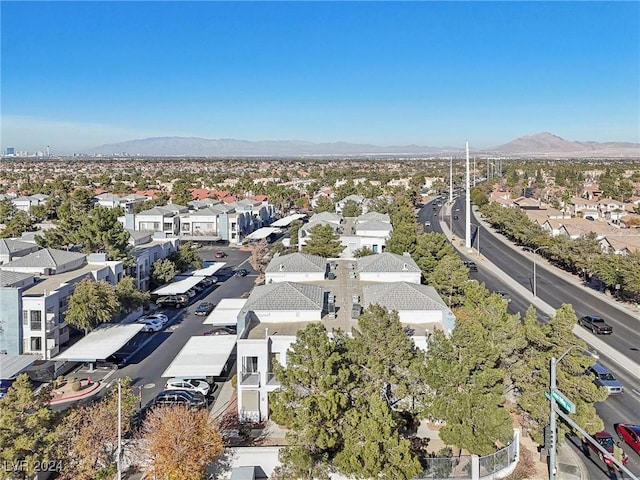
{"x":555,"y":289}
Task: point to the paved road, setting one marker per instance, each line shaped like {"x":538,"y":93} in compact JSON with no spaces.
{"x":147,"y":366}
{"x":555,"y":291}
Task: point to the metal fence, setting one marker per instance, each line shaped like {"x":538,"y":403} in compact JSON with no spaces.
{"x":498,"y":461}
{"x":454,"y":467}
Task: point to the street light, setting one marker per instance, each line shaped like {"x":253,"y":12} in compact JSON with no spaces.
{"x":533,"y":251}
{"x":552,"y":413}
{"x":478,"y":232}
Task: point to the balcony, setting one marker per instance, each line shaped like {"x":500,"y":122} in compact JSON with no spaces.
{"x":250,"y":379}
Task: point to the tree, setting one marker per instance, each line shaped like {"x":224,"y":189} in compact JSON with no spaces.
{"x":91,"y":304}
{"x":323,"y":242}
{"x":363,"y":252}
{"x":312,"y":399}
{"x":164,"y":270}
{"x":179,"y":443}
{"x":403,"y":239}
{"x":101,"y":231}
{"x":7,"y":210}
{"x":16,"y":225}
{"x":323,"y":204}
{"x":351,"y":209}
{"x":87,"y":438}
{"x":449,"y":278}
{"x":373,"y":447}
{"x":259,"y":256}
{"x":26,"y":426}
{"x":186,"y":257}
{"x":431,"y":248}
{"x":129,"y":297}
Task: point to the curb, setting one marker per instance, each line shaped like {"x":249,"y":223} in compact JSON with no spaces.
{"x":68,"y":398}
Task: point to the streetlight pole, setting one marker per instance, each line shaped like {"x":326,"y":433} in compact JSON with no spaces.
{"x":119,"y":453}
{"x":478,"y":232}
{"x":552,"y":413}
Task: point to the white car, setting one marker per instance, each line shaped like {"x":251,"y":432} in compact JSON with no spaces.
{"x":151,"y":325}
{"x":191,"y":385}
{"x":158,"y":316}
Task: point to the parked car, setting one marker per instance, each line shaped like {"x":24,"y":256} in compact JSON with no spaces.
{"x":630,"y":434}
{"x":504,"y":295}
{"x":596,"y":324}
{"x":190,"y":399}
{"x":331,"y":276}
{"x":150,"y":325}
{"x":604,"y":378}
{"x":4,"y":386}
{"x":427,"y":223}
{"x":204,"y":308}
{"x":221,"y":331}
{"x":191,"y":293}
{"x":220,"y":254}
{"x":191,"y":385}
{"x":455,"y":217}
{"x":176,"y":301}
{"x":471,"y":265}
{"x":606,"y":441}
{"x":242,"y":272}
{"x":157,"y":316}
{"x":114,"y":361}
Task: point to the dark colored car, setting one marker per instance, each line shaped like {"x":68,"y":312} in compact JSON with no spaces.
{"x":176,"y":301}
{"x":604,"y":378}
{"x":606,"y":441}
{"x":114,"y":361}
{"x":189,"y":399}
{"x":242,"y":272}
{"x":221,"y":331}
{"x":220,"y":254}
{"x":204,"y":308}
{"x":596,"y":324}
{"x":630,"y":434}
{"x":455,"y":217}
{"x":471,"y":265}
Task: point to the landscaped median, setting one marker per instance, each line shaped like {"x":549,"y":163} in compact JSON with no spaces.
{"x":67,"y":393}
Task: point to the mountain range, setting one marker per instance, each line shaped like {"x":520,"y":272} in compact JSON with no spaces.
{"x":539,"y":145}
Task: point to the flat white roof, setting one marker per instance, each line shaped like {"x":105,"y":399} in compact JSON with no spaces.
{"x":261,"y":233}
{"x":208,"y":271}
{"x":102,"y":342}
{"x":288,"y":220}
{"x":226,"y":312}
{"x":179,"y":287}
{"x":202,"y":356}
{"x":13,"y":365}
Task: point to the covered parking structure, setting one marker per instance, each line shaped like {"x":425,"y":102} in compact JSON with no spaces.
{"x":13,"y":365}
{"x":104,"y":341}
{"x":261,"y":233}
{"x":208,"y":271}
{"x":202,"y":357}
{"x":226,"y":312}
{"x":288,"y":220}
{"x":178,"y":288}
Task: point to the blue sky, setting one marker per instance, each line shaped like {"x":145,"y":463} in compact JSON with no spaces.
{"x":79,"y":74}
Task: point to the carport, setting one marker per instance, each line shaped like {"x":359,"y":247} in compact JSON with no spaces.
{"x":288,"y":220}
{"x":226,"y":312}
{"x":179,"y":287}
{"x":262,"y":233}
{"x":201,"y":357}
{"x":209,"y":270}
{"x":99,"y":344}
{"x":13,"y":365}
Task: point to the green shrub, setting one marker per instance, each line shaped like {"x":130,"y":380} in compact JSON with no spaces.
{"x":76,"y":386}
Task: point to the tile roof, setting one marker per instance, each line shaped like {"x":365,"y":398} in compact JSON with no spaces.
{"x":286,"y":296}
{"x":46,"y":257}
{"x":402,"y":296}
{"x":387,"y":262}
{"x":297,"y":262}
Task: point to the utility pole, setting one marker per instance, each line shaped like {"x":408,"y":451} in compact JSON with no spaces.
{"x":467,"y":223}
{"x":119,"y":453}
{"x":450,"y":180}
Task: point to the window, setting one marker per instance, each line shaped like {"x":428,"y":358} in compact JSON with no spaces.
{"x":25,"y":317}
{"x":36,"y":319}
{"x":250,"y":364}
{"x":36,"y":344}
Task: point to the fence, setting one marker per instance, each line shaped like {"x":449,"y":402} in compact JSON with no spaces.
{"x":490,"y":467}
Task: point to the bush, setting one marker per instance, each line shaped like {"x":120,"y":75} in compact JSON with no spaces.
{"x":60,"y":381}
{"x":234,"y":381}
{"x":76,"y":386}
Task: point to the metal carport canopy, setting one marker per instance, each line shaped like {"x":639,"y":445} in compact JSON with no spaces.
{"x":12,"y":365}
{"x":288,"y":220}
{"x":179,"y":287}
{"x":261,"y":233}
{"x":202,"y":356}
{"x":209,"y":270}
{"x":99,"y":344}
{"x":226,"y":312}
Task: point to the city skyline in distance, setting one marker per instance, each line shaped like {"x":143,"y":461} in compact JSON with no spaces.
{"x":76,"y":75}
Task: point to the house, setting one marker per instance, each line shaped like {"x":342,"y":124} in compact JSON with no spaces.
{"x":275,"y":312}
{"x":157,"y":219}
{"x":357,"y":199}
{"x":25,"y":203}
{"x":578,"y":206}
{"x":35,"y":293}
{"x":127,"y":202}
{"x":296,"y":267}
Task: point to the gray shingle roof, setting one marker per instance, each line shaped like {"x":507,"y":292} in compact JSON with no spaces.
{"x":326,"y":217}
{"x":374,"y":225}
{"x":387,"y":262}
{"x":402,"y":296}
{"x":285,"y":296}
{"x":10,"y":246}
{"x":46,"y":257}
{"x":297,"y":262}
{"x":8,"y":279}
{"x":369,"y":216}
{"x":157,"y":211}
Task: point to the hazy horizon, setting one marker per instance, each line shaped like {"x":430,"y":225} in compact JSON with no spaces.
{"x":76,"y":75}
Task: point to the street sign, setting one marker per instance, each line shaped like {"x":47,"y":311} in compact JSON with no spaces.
{"x":566,"y":404}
